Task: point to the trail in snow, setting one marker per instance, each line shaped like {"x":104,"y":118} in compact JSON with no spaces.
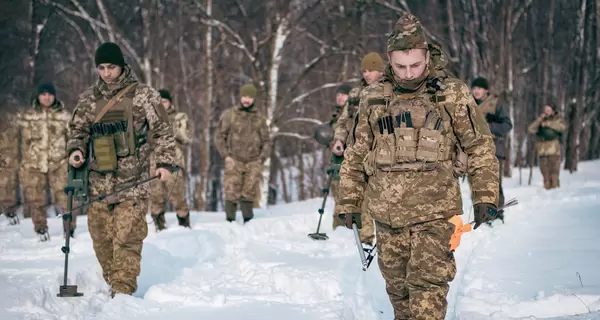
{"x":528,"y":268}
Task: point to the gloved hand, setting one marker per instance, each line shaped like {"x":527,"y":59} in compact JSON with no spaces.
{"x":484,"y":212}
{"x":353,"y":218}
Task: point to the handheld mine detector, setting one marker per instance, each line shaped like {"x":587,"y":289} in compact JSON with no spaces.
{"x":370,"y":252}
{"x":324,"y":135}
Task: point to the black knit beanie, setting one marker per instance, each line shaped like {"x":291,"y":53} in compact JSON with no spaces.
{"x":480,"y":82}
{"x":345,"y":89}
{"x":109,"y":52}
{"x":46,"y":87}
{"x":164,"y":93}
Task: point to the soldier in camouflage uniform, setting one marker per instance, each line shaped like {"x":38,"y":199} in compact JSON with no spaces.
{"x":9,"y":166}
{"x":242,"y":139}
{"x":174,"y":189}
{"x":401,"y":168}
{"x":499,"y":122}
{"x":43,"y":130}
{"x":548,"y":128}
{"x":109,"y":130}
{"x":372,"y":67}
{"x":341,"y":99}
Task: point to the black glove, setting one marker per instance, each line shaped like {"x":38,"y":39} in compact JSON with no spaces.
{"x":354,"y":218}
{"x":484,"y":212}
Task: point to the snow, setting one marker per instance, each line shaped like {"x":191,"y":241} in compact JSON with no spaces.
{"x":542,"y":264}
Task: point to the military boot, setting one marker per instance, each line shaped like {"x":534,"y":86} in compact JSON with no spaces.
{"x":246,"y":207}
{"x":43,"y":234}
{"x":159,"y":221}
{"x":13,"y":218}
{"x":230,"y":209}
{"x":185,"y":221}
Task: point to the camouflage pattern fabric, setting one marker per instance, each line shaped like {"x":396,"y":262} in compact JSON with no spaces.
{"x":417,"y":267}
{"x":344,"y":123}
{"x":550,"y":168}
{"x":243,"y":135}
{"x":548,"y":147}
{"x":118,"y":233}
{"x":118,"y":226}
{"x":9,"y":155}
{"x":408,"y":34}
{"x":240,"y":179}
{"x":33,"y":184}
{"x":57,"y":182}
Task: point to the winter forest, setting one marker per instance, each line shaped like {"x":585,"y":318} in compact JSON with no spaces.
{"x":297,"y":53}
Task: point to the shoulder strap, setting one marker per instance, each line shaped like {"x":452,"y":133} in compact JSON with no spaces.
{"x":387,"y":91}
{"x":113,"y":101}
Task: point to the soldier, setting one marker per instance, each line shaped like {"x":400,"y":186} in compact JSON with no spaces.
{"x":9,"y":166}
{"x":401,"y":168}
{"x":174,"y":189}
{"x":499,"y":122}
{"x":243,"y":140}
{"x":372,"y":67}
{"x":108,"y":131}
{"x":341,"y":99}
{"x":548,"y":128}
{"x":43,"y":130}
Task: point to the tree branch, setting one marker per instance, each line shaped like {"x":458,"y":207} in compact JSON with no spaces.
{"x":289,"y":134}
{"x":302,"y":119}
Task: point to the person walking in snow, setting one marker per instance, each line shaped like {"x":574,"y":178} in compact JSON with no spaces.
{"x":109,"y":131}
{"x":401,"y":167}
{"x":243,"y":140}
{"x":548,"y":128}
{"x":9,"y":165}
{"x":174,"y":189}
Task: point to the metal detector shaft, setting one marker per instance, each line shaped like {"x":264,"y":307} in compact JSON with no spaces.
{"x":325,"y":196}
{"x":66,"y":223}
{"x":104,"y":196}
{"x":361,"y":251}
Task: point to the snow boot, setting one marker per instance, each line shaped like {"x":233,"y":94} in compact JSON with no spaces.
{"x":13,"y":219}
{"x":159,"y":221}
{"x":246,"y":207}
{"x":185,"y":221}
{"x":230,"y":209}
{"x":43,"y":234}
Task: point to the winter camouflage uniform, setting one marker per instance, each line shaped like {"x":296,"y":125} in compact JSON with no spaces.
{"x":549,"y":132}
{"x":118,"y":226}
{"x":500,"y":125}
{"x":173,"y":189}
{"x":243,"y":140}
{"x":9,"y":165}
{"x":404,"y":174}
{"x":43,"y":160}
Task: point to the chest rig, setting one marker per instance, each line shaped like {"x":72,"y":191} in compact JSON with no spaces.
{"x":113,"y":136}
{"x":412,"y":132}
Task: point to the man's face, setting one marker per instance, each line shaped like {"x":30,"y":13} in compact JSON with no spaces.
{"x":548,"y":110}
{"x":409,"y":64}
{"x":109,"y":72}
{"x":166,"y":103}
{"x":46,"y":99}
{"x":479,"y":93}
{"x":371,"y":76}
{"x":246,"y":101}
{"x":341,"y":98}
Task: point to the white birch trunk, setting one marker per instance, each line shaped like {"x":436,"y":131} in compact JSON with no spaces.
{"x":208,"y":98}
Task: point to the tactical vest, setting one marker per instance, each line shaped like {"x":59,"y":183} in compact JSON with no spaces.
{"x":113,"y":136}
{"x":414,"y":131}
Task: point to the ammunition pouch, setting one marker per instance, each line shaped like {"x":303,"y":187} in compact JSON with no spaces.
{"x":110,"y":142}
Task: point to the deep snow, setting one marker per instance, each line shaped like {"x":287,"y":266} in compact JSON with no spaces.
{"x":528,"y":268}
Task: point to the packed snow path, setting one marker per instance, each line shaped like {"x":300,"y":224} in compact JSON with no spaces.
{"x":543,"y":263}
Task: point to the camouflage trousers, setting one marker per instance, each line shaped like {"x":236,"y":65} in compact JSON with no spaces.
{"x":118,"y":232}
{"x":8,"y":189}
{"x":550,"y":168}
{"x":417,"y":267}
{"x":173,"y":191}
{"x":240,"y":179}
{"x":367,"y":231}
{"x":34,"y":186}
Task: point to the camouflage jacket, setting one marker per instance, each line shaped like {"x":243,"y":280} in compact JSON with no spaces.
{"x":243,"y":135}
{"x":43,"y":133}
{"x":181,"y":130}
{"x":555,"y":123}
{"x":149,"y":118}
{"x":400,"y":165}
{"x":499,"y":122}
{"x":9,"y":146}
{"x":345,"y":121}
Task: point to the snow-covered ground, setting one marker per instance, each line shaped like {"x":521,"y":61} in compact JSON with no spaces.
{"x":543,"y":263}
